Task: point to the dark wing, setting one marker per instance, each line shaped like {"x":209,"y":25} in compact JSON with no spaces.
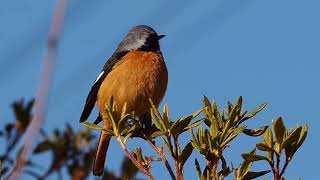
{"x":92,"y":96}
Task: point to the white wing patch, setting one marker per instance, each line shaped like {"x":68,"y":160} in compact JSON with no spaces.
{"x":99,"y":76}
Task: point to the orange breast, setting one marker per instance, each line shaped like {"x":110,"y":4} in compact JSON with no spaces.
{"x":139,"y":76}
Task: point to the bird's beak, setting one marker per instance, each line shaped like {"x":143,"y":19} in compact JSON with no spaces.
{"x":161,"y":36}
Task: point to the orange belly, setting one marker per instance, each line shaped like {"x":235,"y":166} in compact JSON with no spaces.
{"x":133,"y":80}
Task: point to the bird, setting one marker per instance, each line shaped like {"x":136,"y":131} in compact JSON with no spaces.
{"x":135,"y":73}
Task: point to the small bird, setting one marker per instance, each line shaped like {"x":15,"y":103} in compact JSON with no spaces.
{"x":135,"y":72}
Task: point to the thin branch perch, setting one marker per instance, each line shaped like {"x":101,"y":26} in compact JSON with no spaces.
{"x":160,"y":152}
{"x":134,"y":161}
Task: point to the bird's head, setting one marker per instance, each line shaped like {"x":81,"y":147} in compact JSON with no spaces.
{"x":142,"y":38}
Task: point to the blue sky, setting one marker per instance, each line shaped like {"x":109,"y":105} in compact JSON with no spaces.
{"x":266,"y":51}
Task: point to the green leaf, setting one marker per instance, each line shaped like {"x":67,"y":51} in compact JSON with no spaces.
{"x":193,"y":125}
{"x":127,"y":137}
{"x":92,"y":126}
{"x":303,"y":136}
{"x":254,"y":157}
{"x":124,"y":110}
{"x":42,"y":147}
{"x":108,"y":131}
{"x":198,"y":168}
{"x":166,"y":144}
{"x":295,"y":145}
{"x":206,"y":106}
{"x":138,"y":153}
{"x":178,"y":149}
{"x":279,"y":130}
{"x":255,"y":132}
{"x":230,"y":106}
{"x":123,"y":120}
{"x":253,"y":175}
{"x":293,"y":137}
{"x":244,"y":169}
{"x":166,"y":117}
{"x":268,"y":140}
{"x":245,"y":166}
{"x":181,"y":124}
{"x":239,"y":102}
{"x":255,"y":112}
{"x":233,"y":135}
{"x":157,"y":134}
{"x":264,"y":147}
{"x":200,"y":135}
{"x":158,"y":121}
{"x":214,"y":128}
{"x":186,"y":152}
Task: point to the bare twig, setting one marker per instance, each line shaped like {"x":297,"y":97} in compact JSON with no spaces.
{"x":134,"y":161}
{"x":42,"y":94}
{"x":160,"y":152}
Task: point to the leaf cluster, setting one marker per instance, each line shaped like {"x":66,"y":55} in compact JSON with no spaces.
{"x":222,"y":127}
{"x":211,"y":135}
{"x":276,"y":140}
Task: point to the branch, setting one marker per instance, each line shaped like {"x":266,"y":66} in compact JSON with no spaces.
{"x":178,"y":164}
{"x":134,"y":161}
{"x":284,"y":167}
{"x":43,"y":89}
{"x":160,"y":152}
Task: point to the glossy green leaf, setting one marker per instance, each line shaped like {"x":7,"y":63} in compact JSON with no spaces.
{"x":186,"y":152}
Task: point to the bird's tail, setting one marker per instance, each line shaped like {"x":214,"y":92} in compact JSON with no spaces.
{"x":104,"y":140}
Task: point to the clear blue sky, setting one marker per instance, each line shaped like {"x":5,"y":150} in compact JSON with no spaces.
{"x":266,"y":51}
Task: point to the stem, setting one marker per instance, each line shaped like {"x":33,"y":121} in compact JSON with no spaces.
{"x":134,"y":161}
{"x":179,"y":169}
{"x":284,"y":167}
{"x":40,"y":105}
{"x":10,"y":146}
{"x":212,"y":163}
{"x":160,"y":152}
{"x":277,"y":168}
